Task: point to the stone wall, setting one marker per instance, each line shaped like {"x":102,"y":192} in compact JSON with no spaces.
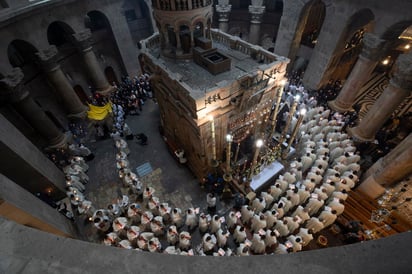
{"x":26,"y":250}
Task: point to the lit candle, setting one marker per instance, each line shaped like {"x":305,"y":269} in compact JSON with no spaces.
{"x":275,"y":112}
{"x":295,"y":130}
{"x":259,"y":144}
{"x":229,"y":139}
{"x":291,"y":113}
{"x":237,"y":152}
{"x":212,"y":125}
{"x":244,"y":166}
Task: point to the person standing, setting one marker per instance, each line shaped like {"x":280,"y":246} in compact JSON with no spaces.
{"x":211,"y":203}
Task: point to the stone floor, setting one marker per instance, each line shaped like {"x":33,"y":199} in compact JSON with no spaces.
{"x":173,"y":182}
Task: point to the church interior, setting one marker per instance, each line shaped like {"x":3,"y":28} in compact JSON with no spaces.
{"x":196,"y":129}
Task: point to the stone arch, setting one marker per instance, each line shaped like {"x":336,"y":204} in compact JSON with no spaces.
{"x":199,"y":21}
{"x":171,"y":35}
{"x":182,"y":22}
{"x":59,"y":33}
{"x":96,"y":20}
{"x":397,"y":41}
{"x":185,"y":38}
{"x":110,"y":75}
{"x":350,"y":45}
{"x":137,"y":16}
{"x":22,"y":54}
{"x":198,"y":29}
{"x":396,"y":30}
{"x":310,"y":24}
{"x":100,"y":25}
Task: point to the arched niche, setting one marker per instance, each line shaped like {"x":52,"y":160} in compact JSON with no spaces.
{"x":198,"y":30}
{"x":349,"y":45}
{"x":81,"y":94}
{"x":307,"y":31}
{"x":137,"y":15}
{"x":171,"y":35}
{"x":185,"y":38}
{"x":111,"y":75}
{"x":398,"y":40}
{"x":59,"y":33}
{"x":22,"y":54}
{"x":102,"y":32}
{"x":96,"y":20}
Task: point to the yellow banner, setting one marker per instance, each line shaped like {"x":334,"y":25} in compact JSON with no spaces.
{"x":99,"y":113}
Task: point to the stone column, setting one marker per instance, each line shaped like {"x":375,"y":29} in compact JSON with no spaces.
{"x":388,"y":170}
{"x":12,"y":87}
{"x":48,"y":61}
{"x":398,"y":89}
{"x":368,"y":59}
{"x":83,"y":42}
{"x":22,"y":207}
{"x":179,"y":50}
{"x":256,"y":11}
{"x":223,"y":10}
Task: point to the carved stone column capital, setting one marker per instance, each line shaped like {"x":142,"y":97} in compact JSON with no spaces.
{"x":83,"y":39}
{"x":256,"y":13}
{"x":372,"y":47}
{"x":223,"y":12}
{"x":47,"y":58}
{"x":402,"y":77}
{"x":11,"y":86}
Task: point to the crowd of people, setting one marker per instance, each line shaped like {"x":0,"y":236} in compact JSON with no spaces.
{"x":306,"y":198}
{"x":132,"y":93}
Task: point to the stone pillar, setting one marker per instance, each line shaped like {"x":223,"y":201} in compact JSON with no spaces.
{"x":179,"y":49}
{"x":388,"y":170}
{"x":368,"y":59}
{"x":256,"y":11}
{"x":12,"y":86}
{"x":83,"y":42}
{"x":223,"y":10}
{"x":22,"y":207}
{"x":35,"y":172}
{"x":48,"y":61}
{"x":398,"y":89}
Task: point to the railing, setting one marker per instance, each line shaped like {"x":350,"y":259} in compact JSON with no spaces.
{"x":178,"y":5}
{"x":235,"y":43}
{"x":151,"y":42}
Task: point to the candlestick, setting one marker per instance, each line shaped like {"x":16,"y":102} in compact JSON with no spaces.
{"x":291,"y":113}
{"x":236,"y":153}
{"x":228,"y":175}
{"x":244,"y":166}
{"x":295,"y":131}
{"x":229,"y":139}
{"x":212,"y":125}
{"x":275,"y":112}
{"x":259,"y":144}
